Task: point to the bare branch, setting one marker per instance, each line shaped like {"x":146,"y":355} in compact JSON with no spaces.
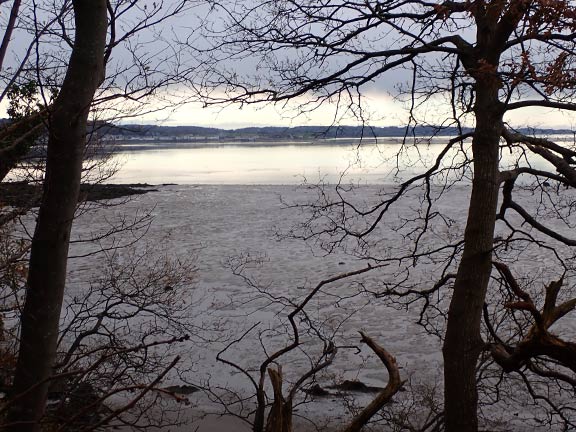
{"x":393,"y":386}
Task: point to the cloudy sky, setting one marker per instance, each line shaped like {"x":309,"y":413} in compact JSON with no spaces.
{"x":384,"y":111}
{"x":380,"y":107}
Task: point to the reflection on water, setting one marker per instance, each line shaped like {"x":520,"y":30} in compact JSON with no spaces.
{"x":285,"y":164}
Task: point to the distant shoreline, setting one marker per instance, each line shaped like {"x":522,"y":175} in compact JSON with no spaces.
{"x":144,"y":144}
{"x":138,"y":144}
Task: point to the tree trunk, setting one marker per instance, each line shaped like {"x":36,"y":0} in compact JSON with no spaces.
{"x":280,"y":415}
{"x":49,"y":250}
{"x":463,"y":343}
{"x":8,"y":32}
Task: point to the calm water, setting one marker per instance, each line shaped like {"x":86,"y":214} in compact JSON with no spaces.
{"x":281,"y":164}
{"x":284,"y":164}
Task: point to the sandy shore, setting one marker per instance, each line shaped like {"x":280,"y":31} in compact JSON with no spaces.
{"x":216,"y":223}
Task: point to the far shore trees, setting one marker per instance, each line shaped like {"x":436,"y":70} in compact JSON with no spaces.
{"x":472,"y":63}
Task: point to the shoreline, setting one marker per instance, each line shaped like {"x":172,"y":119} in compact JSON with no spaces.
{"x":23,"y":194}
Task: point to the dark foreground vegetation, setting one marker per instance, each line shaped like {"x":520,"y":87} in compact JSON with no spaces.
{"x":469,"y":66}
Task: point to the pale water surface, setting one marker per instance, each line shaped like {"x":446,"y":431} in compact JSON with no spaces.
{"x":278,"y":164}
{"x":284,"y":164}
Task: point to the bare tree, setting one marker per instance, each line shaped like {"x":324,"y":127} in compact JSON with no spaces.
{"x":49,"y":250}
{"x":474,"y":62}
{"x":87,"y":32}
{"x":116,"y":338}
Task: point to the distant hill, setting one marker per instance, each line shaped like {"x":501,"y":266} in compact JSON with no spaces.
{"x":139,"y":132}
{"x":269,"y":133}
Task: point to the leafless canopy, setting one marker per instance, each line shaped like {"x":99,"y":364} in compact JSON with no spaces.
{"x":466,"y":69}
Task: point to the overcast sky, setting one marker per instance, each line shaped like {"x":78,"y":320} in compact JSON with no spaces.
{"x":380,"y":107}
{"x":384,"y":111}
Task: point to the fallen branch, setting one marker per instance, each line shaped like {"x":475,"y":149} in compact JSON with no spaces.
{"x":394,"y":384}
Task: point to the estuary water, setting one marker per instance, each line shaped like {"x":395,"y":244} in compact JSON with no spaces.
{"x":288,"y":163}
{"x":382,"y":162}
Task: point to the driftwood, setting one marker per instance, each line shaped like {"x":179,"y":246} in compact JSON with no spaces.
{"x":280,"y":415}
{"x":394,"y":384}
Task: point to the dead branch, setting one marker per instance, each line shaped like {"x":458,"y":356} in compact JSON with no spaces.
{"x":280,"y":416}
{"x":394,"y":384}
{"x":134,"y":401}
{"x":538,"y":340}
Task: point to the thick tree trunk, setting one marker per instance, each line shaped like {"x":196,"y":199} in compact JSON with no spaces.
{"x":48,"y":259}
{"x":463,"y":343}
